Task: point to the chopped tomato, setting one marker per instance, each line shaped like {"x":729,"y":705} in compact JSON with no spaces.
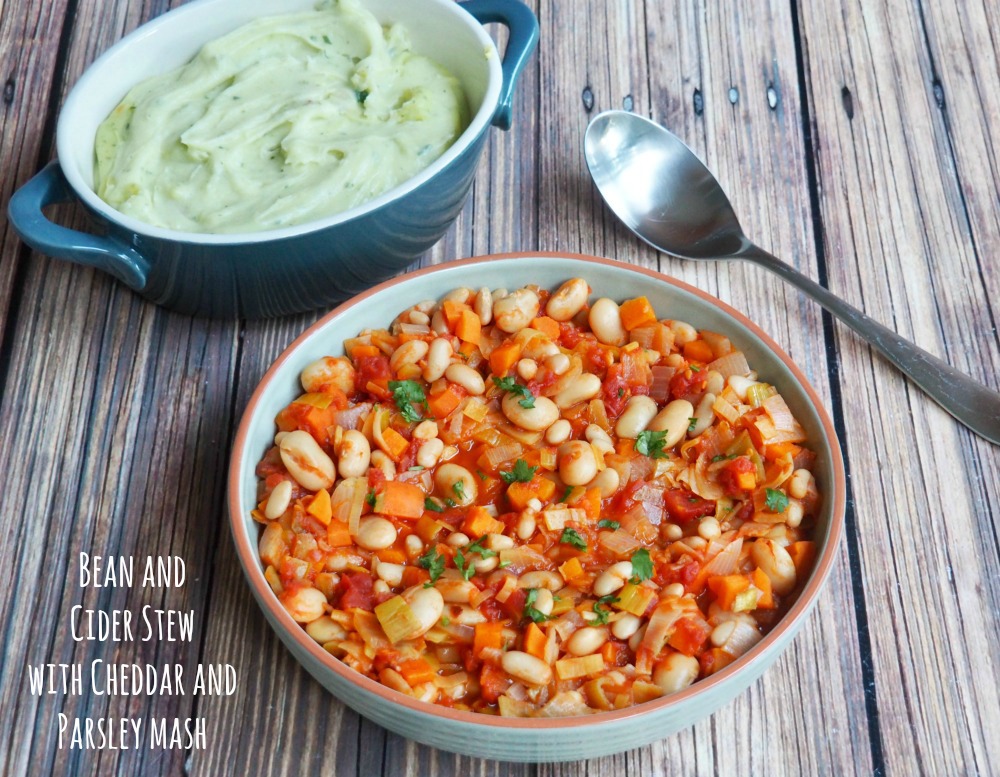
{"x":688,"y":384}
{"x":374,"y":368}
{"x":493,"y":681}
{"x":271,"y":464}
{"x":738,"y":477}
{"x":615,"y":392}
{"x":356,"y":591}
{"x":685,"y":506}
{"x":689,"y":635}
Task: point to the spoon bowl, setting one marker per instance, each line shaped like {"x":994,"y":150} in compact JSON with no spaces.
{"x":661,"y":191}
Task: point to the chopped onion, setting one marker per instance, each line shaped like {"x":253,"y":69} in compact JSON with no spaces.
{"x":517,"y":560}
{"x":734,"y":363}
{"x":725,"y":563}
{"x":660,"y":387}
{"x":618,"y":542}
{"x":786,"y":428}
{"x":348,"y":500}
{"x":741,"y":639}
{"x":414,"y":329}
{"x":565,"y":703}
{"x":503,"y":453}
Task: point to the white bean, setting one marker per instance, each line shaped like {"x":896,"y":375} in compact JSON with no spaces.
{"x":583,"y":387}
{"x":429,"y":453}
{"x":439,"y":355}
{"x":278,"y":501}
{"x":673,"y":419}
{"x":466,"y":377}
{"x":425,"y":430}
{"x":516,"y":310}
{"x":600,"y":438}
{"x":774,"y":562}
{"x":305,"y":461}
{"x":639,"y":412}
{"x":544,"y":601}
{"x":534,"y":419}
{"x":794,"y":513}
{"x":355,"y":454}
{"x":605,"y":319}
{"x":674,"y":589}
{"x":382,"y":462}
{"x":426,"y":605}
{"x":607,"y":480}
{"x":526,"y":667}
{"x":419,"y":317}
{"x":558,"y":363}
{"x":559,"y":432}
{"x":392,"y":574}
{"x":676,"y":672}
{"x":328,"y":372}
{"x":527,"y":368}
{"x":684,"y":333}
{"x":577,"y":463}
{"x":460,"y":295}
{"x":703,"y":416}
{"x":541,"y":578}
{"x":720,"y":634}
{"x":626,"y":625}
{"x":375,"y":533}
{"x":709,"y":528}
{"x":613,"y":578}
{"x":483,"y":306}
{"x":438,"y":323}
{"x":456,"y":591}
{"x":586,"y":640}
{"x":458,"y":539}
{"x":801,"y":483}
{"x":456,"y":482}
{"x":568,"y":300}
{"x":409,"y":352}
{"x":714,"y":382}
{"x":325,"y":629}
{"x":414,"y":545}
{"x":304,"y":604}
{"x":526,"y":525}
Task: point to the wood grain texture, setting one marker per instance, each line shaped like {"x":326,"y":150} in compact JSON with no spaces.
{"x":880,"y":177}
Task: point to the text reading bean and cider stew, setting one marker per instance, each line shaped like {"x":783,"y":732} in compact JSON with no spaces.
{"x":526,"y":503}
{"x":102,"y":680}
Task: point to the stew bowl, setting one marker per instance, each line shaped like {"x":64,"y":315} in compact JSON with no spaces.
{"x":532,"y":739}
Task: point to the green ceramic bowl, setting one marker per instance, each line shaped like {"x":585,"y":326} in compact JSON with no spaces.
{"x":552,"y":739}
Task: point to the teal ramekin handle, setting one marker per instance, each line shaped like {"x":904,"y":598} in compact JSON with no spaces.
{"x":523,"y":38}
{"x":49,"y":187}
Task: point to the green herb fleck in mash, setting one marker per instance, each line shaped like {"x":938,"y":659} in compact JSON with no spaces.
{"x":285,"y":120}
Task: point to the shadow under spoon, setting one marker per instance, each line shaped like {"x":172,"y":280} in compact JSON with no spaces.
{"x":660,"y":189}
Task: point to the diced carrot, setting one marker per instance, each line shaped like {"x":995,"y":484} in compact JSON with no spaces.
{"x":360,"y":351}
{"x":493,"y":681}
{"x":803,"y":554}
{"x":591,"y":503}
{"x":504,"y":357}
{"x":488,"y":635}
{"x":571,"y":570}
{"x":391,"y":555}
{"x":338,"y":535}
{"x":467,"y":349}
{"x":439,"y":405}
{"x":547,"y":326}
{"x":414,"y":576}
{"x":404,"y":500}
{"x":452,"y":312}
{"x":698,"y":351}
{"x":378,"y":389}
{"x":395,"y":442}
{"x":613,"y":653}
{"x":538,"y":487}
{"x":726,"y":588}
{"x":479,"y":522}
{"x":777,"y":450}
{"x":320,"y":507}
{"x":468,"y":327}
{"x":637,"y":312}
{"x":534,"y":641}
{"x":763,"y":582}
{"x":416,"y":671}
{"x":715,"y":659}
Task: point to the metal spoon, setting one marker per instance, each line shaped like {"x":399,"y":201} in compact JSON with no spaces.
{"x":658,"y":187}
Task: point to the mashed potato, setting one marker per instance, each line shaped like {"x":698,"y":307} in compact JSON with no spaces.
{"x":287,"y":119}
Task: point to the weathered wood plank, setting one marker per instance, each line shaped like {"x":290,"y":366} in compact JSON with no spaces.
{"x":900,"y":183}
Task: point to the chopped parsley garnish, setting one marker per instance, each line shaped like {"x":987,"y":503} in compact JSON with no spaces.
{"x":505,"y":564}
{"x":520,"y":473}
{"x":529,"y":609}
{"x":459,"y":488}
{"x":477,"y":547}
{"x":450,"y":502}
{"x":430,"y":504}
{"x":694,"y":368}
{"x":692,"y":423}
{"x":406,"y":393}
{"x":360,"y":95}
{"x":776,"y":500}
{"x":723,"y":457}
{"x":621,"y":393}
{"x":604,"y":523}
{"x":602,"y":612}
{"x":433,"y":562}
{"x":511,"y":385}
{"x":467,"y":571}
{"x":327,"y":41}
{"x":481,"y":475}
{"x":566,"y":493}
{"x":370,"y":498}
{"x":642,"y":566}
{"x":651,"y":444}
{"x":572,"y":537}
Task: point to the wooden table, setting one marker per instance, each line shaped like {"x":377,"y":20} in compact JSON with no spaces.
{"x":858,"y":140}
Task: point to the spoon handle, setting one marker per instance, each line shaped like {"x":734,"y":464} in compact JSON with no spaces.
{"x":972,"y":403}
